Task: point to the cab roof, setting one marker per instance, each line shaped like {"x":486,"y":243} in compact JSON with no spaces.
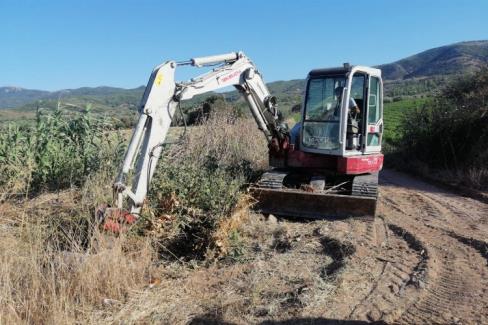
{"x":328,"y":71}
{"x":344,"y":70}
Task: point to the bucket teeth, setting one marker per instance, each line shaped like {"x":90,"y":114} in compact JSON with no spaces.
{"x":114,"y":220}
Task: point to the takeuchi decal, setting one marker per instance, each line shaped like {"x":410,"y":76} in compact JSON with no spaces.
{"x":370,"y":161}
{"x":230,"y":76}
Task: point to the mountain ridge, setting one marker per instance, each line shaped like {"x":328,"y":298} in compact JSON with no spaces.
{"x":443,"y":60}
{"x":439,"y":62}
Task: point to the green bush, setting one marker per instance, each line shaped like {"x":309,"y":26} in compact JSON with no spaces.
{"x":60,"y":151}
{"x":204,"y":193}
{"x":199,"y":181}
{"x":451,"y":132}
{"x":210,"y":188}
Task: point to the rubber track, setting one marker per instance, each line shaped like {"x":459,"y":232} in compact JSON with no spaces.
{"x":365,"y":185}
{"x":272,"y":179}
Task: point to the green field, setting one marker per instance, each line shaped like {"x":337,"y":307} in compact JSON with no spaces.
{"x":393,"y":115}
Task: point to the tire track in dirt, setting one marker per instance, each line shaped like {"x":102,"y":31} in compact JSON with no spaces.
{"x":457,"y":213}
{"x":375,"y":280}
{"x":456,"y":271}
{"x":480,"y":246}
{"x":403,"y":262}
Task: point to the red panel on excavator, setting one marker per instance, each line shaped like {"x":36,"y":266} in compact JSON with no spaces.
{"x":353,"y":165}
{"x":301,"y":159}
{"x":360,"y":164}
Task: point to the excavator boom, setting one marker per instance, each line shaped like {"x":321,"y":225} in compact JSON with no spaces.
{"x":158,"y":105}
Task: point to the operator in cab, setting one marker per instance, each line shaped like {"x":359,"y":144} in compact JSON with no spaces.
{"x":353,"y":106}
{"x":334,"y":115}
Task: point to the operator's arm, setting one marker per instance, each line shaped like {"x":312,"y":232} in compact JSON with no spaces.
{"x":353,"y":106}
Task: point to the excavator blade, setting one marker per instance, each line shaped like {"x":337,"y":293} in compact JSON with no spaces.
{"x":296,"y":203}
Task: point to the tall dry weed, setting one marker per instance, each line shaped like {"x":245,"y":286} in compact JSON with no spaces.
{"x":229,"y":139}
{"x":55,"y":265}
{"x":199,"y":183}
{"x":57,"y":268}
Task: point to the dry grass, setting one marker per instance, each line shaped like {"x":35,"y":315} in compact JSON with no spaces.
{"x":220,"y":237}
{"x":267,"y":282}
{"x":230,"y":140}
{"x":56,"y":267}
{"x":476,"y":178}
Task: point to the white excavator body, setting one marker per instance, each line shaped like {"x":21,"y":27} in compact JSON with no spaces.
{"x":306,"y":153}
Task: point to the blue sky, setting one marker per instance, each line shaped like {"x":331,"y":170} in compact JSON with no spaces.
{"x":68,"y":44}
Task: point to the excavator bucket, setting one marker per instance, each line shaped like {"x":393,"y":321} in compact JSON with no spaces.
{"x":297,"y":203}
{"x":114,"y":220}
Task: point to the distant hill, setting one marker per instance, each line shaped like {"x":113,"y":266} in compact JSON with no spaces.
{"x":12,"y":97}
{"x":445,"y":60}
{"x":417,"y":74}
{"x":15,"y":96}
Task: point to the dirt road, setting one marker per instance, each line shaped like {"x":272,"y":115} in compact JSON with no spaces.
{"x":447,"y":236}
{"x":424,"y":259}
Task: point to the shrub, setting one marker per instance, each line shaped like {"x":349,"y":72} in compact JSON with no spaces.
{"x":57,"y":267}
{"x":16,"y":159}
{"x":199,"y":182}
{"x":59,"y":152}
{"x":452,"y":131}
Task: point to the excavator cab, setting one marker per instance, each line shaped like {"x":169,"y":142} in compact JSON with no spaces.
{"x":342,"y":113}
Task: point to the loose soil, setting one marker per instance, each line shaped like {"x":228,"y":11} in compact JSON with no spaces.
{"x":424,"y":259}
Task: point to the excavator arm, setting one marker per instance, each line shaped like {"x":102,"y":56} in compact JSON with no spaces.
{"x":158,"y":105}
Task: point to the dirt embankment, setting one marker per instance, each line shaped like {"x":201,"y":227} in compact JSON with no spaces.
{"x":424,"y":259}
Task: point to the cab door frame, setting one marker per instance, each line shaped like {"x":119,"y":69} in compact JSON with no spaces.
{"x":365,"y":149}
{"x":373,"y":127}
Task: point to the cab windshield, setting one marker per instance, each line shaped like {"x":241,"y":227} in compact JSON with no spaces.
{"x":322,"y":112}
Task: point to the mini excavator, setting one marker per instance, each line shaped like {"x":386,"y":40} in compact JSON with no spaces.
{"x":327,"y":165}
